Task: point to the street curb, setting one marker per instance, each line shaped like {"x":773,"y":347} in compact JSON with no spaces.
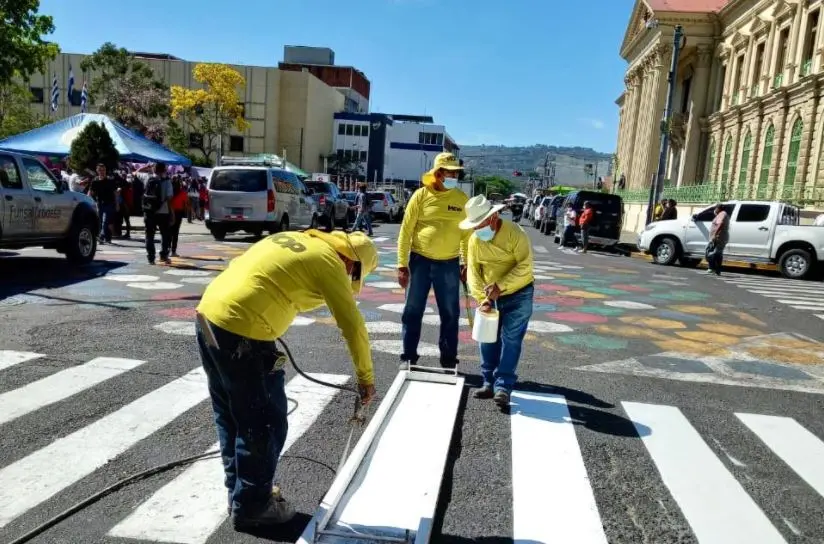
{"x":638,"y":254}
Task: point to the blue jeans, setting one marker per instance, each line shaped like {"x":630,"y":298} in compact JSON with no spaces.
{"x":249,"y":404}
{"x":569,"y":236}
{"x":107,"y":217}
{"x":363,"y":217}
{"x":499,"y":361}
{"x":445,"y":278}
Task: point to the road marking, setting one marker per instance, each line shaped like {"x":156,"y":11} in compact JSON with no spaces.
{"x":714,"y":504}
{"x":380,"y":239}
{"x":810,"y":302}
{"x":60,"y":386}
{"x":546,"y":457}
{"x":820,"y":316}
{"x":9,"y":358}
{"x":191,"y":507}
{"x":794,"y":444}
{"x":46,"y":472}
{"x":541,"y":249}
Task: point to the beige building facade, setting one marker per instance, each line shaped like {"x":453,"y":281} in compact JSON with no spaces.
{"x":747,"y":110}
{"x":291,"y":112}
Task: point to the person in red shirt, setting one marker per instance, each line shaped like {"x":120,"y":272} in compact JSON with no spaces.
{"x":180,"y":207}
{"x":585,"y":222}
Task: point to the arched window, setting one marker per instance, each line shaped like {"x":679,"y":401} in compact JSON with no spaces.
{"x":725,"y":169}
{"x":708,"y":168}
{"x":742,"y":190}
{"x":766,"y":164}
{"x":792,"y":157}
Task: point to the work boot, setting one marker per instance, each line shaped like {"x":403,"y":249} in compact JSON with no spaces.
{"x":276,"y":512}
{"x":501,"y":398}
{"x":484,"y":392}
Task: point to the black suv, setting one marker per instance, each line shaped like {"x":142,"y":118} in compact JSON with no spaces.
{"x":609,"y":216}
{"x":333,"y":208}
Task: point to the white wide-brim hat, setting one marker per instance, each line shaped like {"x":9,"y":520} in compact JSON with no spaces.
{"x":478,"y":209}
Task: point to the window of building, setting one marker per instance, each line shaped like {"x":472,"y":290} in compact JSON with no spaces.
{"x":757,"y":68}
{"x":341,"y":129}
{"x":753,"y":213}
{"x":810,"y":37}
{"x":36,"y":95}
{"x":195,"y":139}
{"x":709,"y":168}
{"x":357,"y":130}
{"x":365,"y":130}
{"x":720,"y":93}
{"x":766,"y":164}
{"x":745,"y":166}
{"x":363,"y":156}
{"x":736,"y":80}
{"x":781,"y":59}
{"x":430,"y":138}
{"x":792,"y":157}
{"x":236,"y":144}
{"x":350,"y":129}
{"x":686,"y":86}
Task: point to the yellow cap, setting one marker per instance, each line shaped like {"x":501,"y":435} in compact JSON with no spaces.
{"x":355,"y":246}
{"x":445,"y":160}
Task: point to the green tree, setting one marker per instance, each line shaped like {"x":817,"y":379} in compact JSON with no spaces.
{"x":340,"y":165}
{"x":23,"y":51}
{"x":494,"y":184}
{"x":93,"y":145}
{"x":127,"y":90}
{"x":177,"y":141}
{"x":16,"y":115}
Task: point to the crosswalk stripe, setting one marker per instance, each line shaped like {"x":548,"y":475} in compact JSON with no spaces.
{"x":41,"y":475}
{"x":546,"y":457}
{"x":541,"y":249}
{"x":810,"y":308}
{"x":713,"y":502}
{"x":820,"y":316}
{"x":62,"y":385}
{"x":794,"y":444}
{"x":380,"y":239}
{"x":9,"y":358}
{"x":188,"y":509}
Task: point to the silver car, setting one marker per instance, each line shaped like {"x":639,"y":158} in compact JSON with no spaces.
{"x":385,"y":206}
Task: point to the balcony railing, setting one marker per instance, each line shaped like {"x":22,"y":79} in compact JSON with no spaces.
{"x":778,"y":80}
{"x":736,"y":98}
{"x":806,"y":67}
{"x":709,"y":192}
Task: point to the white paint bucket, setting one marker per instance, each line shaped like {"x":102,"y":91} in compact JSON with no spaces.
{"x":485,"y":328}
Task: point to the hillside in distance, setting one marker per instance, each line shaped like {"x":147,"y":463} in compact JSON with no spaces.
{"x":503,"y":160}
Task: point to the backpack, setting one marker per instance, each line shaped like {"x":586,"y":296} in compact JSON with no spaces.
{"x":153,"y":196}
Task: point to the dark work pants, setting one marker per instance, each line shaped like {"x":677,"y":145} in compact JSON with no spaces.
{"x":175,"y":230}
{"x":153,"y":223}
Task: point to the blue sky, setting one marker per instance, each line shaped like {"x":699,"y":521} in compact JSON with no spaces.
{"x":519,"y":72}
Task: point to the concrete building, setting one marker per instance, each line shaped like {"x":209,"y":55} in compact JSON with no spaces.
{"x":320,"y":62}
{"x":288,"y":111}
{"x":747,"y":115}
{"x":391,"y":147}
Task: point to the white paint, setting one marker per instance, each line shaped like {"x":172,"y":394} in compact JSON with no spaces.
{"x":628,"y":305}
{"x":156,"y":286}
{"x":671,"y":282}
{"x":301,"y":321}
{"x":398,"y":308}
{"x":794,"y":444}
{"x":60,"y":386}
{"x":188,"y":273}
{"x":383,"y":327}
{"x":540,"y":249}
{"x":128,"y":278}
{"x":542,"y":277}
{"x":198,"y":281}
{"x":179,"y":328}
{"x":811,"y":303}
{"x":385,"y":269}
{"x":548,"y":327}
{"x":714,"y":503}
{"x":570,"y":267}
{"x":112,"y":252}
{"x":9,"y":358}
{"x":395,"y":347}
{"x":191,"y":507}
{"x":37,"y":477}
{"x":552,"y":499}
{"x":776,"y":291}
{"x":820,"y":316}
{"x":435,"y":320}
{"x":380,"y":239}
{"x":384,"y":284}
{"x":549,"y":269}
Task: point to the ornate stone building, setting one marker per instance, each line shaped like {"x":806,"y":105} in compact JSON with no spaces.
{"x":747,"y":115}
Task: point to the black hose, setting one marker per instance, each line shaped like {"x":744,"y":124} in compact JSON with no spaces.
{"x":48,"y":524}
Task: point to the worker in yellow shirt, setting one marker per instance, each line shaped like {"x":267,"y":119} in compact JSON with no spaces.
{"x":500,"y":277}
{"x":430,"y":250}
{"x":241,"y":314}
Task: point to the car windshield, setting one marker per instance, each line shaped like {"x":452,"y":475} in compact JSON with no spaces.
{"x":245,"y":181}
{"x":320,"y":187}
{"x":377,"y":196}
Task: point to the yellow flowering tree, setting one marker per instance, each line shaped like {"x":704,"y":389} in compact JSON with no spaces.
{"x":211,"y":111}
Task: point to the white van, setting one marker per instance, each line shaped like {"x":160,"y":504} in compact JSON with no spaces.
{"x":254,"y":199}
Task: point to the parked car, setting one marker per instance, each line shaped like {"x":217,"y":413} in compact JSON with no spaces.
{"x":608,"y":219}
{"x":38,"y":210}
{"x":760,"y":232}
{"x":254,"y":199}
{"x":333,"y":208}
{"x":385,"y":206}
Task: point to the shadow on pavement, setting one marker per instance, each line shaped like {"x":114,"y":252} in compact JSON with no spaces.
{"x":23,"y":274}
{"x":445,"y":495}
{"x":288,"y":532}
{"x":571,"y":395}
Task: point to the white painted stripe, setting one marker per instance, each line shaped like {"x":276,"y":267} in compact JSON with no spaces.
{"x":60,"y":386}
{"x":188,"y":509}
{"x":794,"y":444}
{"x":810,"y":308}
{"x":41,"y":475}
{"x":546,"y":457}
{"x":713,"y":502}
{"x":380,"y":239}
{"x":541,"y":249}
{"x":803,"y":302}
{"x":771,"y":291}
{"x":820,"y":316}
{"x":9,"y":358}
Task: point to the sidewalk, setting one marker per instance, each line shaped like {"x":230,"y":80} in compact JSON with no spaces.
{"x":196,"y":227}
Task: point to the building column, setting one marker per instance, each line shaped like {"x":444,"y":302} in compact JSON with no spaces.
{"x":772,"y":58}
{"x":746,"y":71}
{"x":700,"y":95}
{"x":778,"y":147}
{"x":636,"y":180}
{"x":818,"y":47}
{"x":657,"y":104}
{"x":796,"y":35}
{"x":755,"y":158}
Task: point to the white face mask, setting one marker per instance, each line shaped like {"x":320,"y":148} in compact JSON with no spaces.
{"x":450,"y":183}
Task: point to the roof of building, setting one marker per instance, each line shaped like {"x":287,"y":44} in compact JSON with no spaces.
{"x":687,"y":6}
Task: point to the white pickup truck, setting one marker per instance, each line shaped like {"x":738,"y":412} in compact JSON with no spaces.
{"x":37,"y":210}
{"x":760,"y":232}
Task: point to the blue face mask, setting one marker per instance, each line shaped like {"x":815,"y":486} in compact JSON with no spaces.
{"x":450,"y":183}
{"x":485,"y":234}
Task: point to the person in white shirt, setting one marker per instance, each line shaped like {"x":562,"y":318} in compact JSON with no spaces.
{"x":570,"y":223}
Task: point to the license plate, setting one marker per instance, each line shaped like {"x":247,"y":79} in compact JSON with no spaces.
{"x":236,"y":211}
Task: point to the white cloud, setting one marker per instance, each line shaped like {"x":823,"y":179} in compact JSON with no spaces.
{"x":597,"y":124}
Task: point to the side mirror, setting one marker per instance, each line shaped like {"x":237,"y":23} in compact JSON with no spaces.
{"x":694,"y":217}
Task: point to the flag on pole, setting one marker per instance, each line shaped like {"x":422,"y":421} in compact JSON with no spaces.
{"x":71,"y":84}
{"x":84,"y":98}
{"x":55,"y":93}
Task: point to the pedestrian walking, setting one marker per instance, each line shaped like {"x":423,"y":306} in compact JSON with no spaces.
{"x":179,"y":205}
{"x":500,"y":275}
{"x":670,"y":211}
{"x":103,"y":189}
{"x":719,"y":236}
{"x":570,"y":224}
{"x":241,"y":314}
{"x":364,"y":210}
{"x":585,"y":223}
{"x":126,"y":198}
{"x":431,"y":248}
{"x":157,"y":214}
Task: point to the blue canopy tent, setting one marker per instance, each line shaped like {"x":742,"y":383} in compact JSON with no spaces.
{"x":55,"y":140}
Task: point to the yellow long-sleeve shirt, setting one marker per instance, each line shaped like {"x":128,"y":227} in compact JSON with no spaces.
{"x":261,"y":292}
{"x":506,"y":260}
{"x":430,"y":226}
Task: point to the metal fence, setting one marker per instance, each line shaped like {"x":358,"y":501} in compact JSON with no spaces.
{"x":707,"y":193}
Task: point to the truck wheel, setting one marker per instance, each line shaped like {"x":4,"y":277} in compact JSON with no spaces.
{"x":81,"y":244}
{"x":665,"y":251}
{"x":219,"y":234}
{"x":795,"y":264}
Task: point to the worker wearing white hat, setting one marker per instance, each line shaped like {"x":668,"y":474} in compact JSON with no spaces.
{"x":500,"y":275}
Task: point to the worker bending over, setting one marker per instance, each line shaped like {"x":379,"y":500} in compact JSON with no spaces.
{"x":242,"y":312}
{"x":500,"y":277}
{"x":429,"y":246}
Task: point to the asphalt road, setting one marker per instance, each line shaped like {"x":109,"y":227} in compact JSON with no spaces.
{"x":655,"y":405}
